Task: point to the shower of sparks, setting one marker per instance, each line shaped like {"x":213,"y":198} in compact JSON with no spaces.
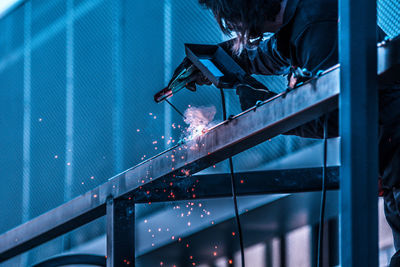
{"x":198,"y":119}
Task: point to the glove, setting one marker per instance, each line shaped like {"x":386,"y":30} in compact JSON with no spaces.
{"x":248,"y":95}
{"x":195,"y":78}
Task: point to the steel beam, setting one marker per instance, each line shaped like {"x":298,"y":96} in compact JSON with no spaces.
{"x":120,"y":232}
{"x":358,"y":130}
{"x":247,"y":183}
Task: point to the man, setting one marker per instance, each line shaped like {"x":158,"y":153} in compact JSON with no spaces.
{"x":305,"y":37}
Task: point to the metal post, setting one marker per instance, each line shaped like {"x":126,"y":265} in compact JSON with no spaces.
{"x":358,"y":130}
{"x":120,"y":232}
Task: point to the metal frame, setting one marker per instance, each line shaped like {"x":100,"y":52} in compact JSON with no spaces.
{"x":117,"y":197}
{"x":224,"y":140}
{"x":358,"y":130}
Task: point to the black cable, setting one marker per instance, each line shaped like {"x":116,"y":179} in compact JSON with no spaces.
{"x":323,"y":196}
{"x":233,"y":184}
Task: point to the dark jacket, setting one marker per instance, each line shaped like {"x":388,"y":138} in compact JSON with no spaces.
{"x":308,"y":39}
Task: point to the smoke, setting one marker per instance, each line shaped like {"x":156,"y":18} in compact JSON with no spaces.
{"x":198,"y":119}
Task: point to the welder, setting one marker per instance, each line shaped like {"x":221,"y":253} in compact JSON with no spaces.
{"x":299,"y":38}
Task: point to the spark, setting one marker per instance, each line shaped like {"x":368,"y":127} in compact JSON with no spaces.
{"x":198,"y":118}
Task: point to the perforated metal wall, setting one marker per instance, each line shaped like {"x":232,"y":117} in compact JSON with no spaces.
{"x":76,"y":84}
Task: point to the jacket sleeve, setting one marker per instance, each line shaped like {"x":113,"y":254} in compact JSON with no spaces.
{"x":264,"y":58}
{"x":316,"y":47}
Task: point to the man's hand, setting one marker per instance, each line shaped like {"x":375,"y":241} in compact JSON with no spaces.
{"x":249,"y":96}
{"x":196,"y":77}
{"x":185,"y":75}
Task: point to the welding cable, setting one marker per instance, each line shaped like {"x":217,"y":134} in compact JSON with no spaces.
{"x":323,"y":195}
{"x":253,"y":88}
{"x":233,"y":184}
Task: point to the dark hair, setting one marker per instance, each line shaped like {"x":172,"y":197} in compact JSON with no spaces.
{"x":244,"y":17}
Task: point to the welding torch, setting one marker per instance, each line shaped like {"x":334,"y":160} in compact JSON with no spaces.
{"x":181,"y":81}
{"x":217,"y":67}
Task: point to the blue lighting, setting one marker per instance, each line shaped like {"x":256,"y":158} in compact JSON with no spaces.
{"x":6,"y":5}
